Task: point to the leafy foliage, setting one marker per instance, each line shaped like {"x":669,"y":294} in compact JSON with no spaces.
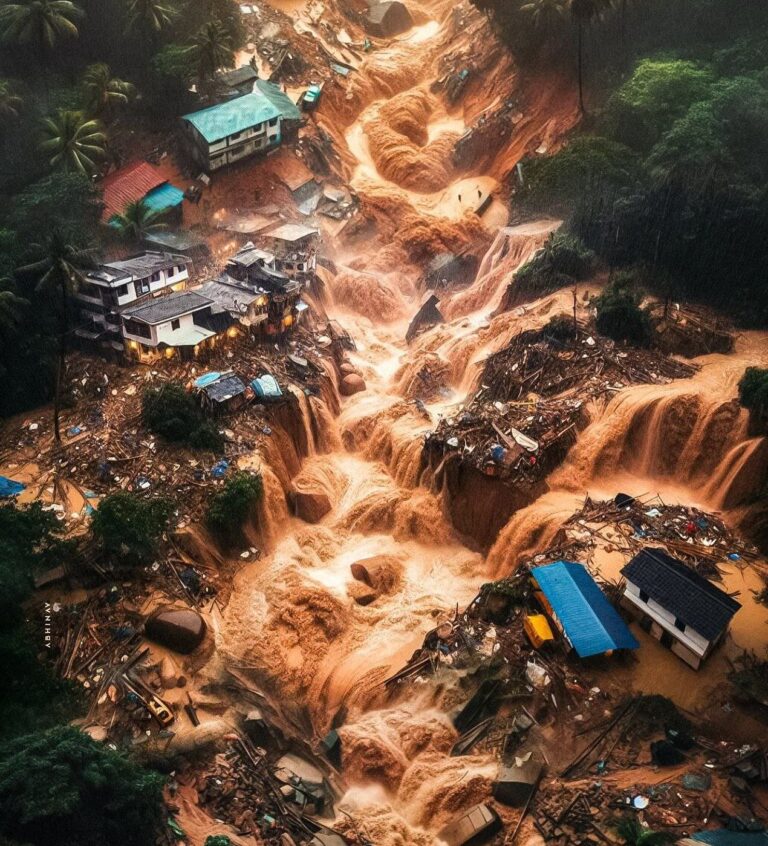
{"x":619,"y":315}
{"x":60,"y":788}
{"x":129,"y":527}
{"x":171,"y":412}
{"x":137,"y":220}
{"x":753,"y":390}
{"x":73,"y":142}
{"x":633,"y":833}
{"x":229,"y":508}
{"x":562,"y":260}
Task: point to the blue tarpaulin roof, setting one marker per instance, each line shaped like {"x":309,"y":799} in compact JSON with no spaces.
{"x":266,"y":386}
{"x":9,"y":487}
{"x":589,"y":621}
{"x":164,"y":197}
{"x":207,"y":378}
{"x":217,"y":122}
{"x":721,"y":837}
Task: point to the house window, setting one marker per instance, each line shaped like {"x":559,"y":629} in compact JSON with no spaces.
{"x":175,"y":324}
{"x":644,"y":596}
{"x":273,"y":121}
{"x":234,"y":136}
{"x":679,"y":624}
{"x":141,"y":286}
{"x":155,"y":276}
{"x":141,"y":330}
{"x":121,"y":290}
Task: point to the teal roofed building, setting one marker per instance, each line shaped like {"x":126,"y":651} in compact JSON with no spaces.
{"x":240,"y":127}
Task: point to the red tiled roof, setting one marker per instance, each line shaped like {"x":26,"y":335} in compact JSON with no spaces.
{"x":128,"y":184}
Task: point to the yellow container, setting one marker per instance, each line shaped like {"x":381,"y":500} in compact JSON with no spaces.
{"x":536,"y":626}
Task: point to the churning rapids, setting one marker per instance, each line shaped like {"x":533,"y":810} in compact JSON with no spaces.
{"x":292,"y":626}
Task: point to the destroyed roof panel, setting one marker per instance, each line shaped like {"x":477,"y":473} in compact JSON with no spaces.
{"x":590,"y":622}
{"x":238,"y":76}
{"x":217,"y":122}
{"x":225,"y":388}
{"x":682,"y":591}
{"x":291,"y":232}
{"x":163,"y":309}
{"x":232,"y":297}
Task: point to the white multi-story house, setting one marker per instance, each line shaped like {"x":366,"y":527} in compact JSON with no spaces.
{"x":294,"y":247}
{"x":677,"y":606}
{"x":181,"y":324}
{"x":114,"y":286}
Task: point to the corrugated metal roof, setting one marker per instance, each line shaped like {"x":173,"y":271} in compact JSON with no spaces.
{"x":721,"y":837}
{"x":682,"y":591}
{"x":163,"y":309}
{"x":127,"y":185}
{"x":589,"y":621}
{"x":164,"y":197}
{"x":279,"y":99}
{"x":223,"y":120}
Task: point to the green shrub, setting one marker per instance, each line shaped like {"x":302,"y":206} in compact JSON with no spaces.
{"x":60,"y":788}
{"x":129,"y":527}
{"x":619,"y":315}
{"x":562,"y":261}
{"x":229,"y":507}
{"x":559,"y":327}
{"x":753,"y":390}
{"x":171,"y":412}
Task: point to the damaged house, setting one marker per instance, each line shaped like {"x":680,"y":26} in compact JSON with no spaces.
{"x":684,"y":611}
{"x":256,"y":294}
{"x":115,"y":286}
{"x":294,"y":247}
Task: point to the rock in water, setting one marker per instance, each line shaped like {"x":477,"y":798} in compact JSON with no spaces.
{"x":310,"y":506}
{"x":351,"y":384}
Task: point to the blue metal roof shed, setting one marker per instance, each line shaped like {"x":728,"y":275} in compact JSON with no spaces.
{"x":164,"y":197}
{"x":589,"y":621}
{"x":721,"y":837}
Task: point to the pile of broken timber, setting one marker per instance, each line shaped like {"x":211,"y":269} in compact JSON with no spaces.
{"x":475,"y":433}
{"x":538,"y":362}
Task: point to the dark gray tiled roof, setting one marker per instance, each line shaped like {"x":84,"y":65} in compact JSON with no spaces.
{"x":163,"y":309}
{"x":147,"y":263}
{"x":682,"y":591}
{"x":225,"y":388}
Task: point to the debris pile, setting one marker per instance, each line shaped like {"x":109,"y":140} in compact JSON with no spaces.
{"x":518,"y":442}
{"x":549,"y":363}
{"x":699,"y":539}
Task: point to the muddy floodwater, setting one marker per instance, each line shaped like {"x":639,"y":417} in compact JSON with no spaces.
{"x":293,"y":624}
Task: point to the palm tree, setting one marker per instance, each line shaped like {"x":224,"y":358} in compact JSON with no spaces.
{"x":212,"y":48}
{"x":9,"y":102}
{"x":584,"y":12}
{"x":138,"y":220}
{"x":633,"y":834}
{"x":153,"y":15}
{"x":11,"y":310}
{"x":545,"y":13}
{"x":103,"y":91}
{"x":39,"y":22}
{"x":58,"y":273}
{"x":73,"y":142}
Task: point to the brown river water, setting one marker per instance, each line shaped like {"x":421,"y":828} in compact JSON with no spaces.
{"x":292,"y":624}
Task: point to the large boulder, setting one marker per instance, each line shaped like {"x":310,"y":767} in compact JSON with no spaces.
{"x":181,"y":630}
{"x":310,"y":506}
{"x":352,"y":383}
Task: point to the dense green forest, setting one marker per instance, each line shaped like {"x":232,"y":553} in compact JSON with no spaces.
{"x":669,"y":169}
